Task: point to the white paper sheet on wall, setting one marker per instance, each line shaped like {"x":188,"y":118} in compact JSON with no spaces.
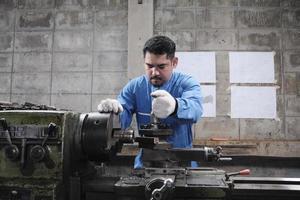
{"x":201,"y":65}
{"x":209,"y":100}
{"x":253,"y":102}
{"x":251,"y":67}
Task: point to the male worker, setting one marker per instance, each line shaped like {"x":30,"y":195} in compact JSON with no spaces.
{"x":173,"y":97}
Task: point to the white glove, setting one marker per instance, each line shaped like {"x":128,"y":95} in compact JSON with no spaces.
{"x":110,"y":105}
{"x":163,"y":104}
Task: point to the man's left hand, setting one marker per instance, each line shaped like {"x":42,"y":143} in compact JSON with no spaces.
{"x":163,"y":103}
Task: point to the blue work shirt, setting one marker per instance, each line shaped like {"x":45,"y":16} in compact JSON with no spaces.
{"x":135,"y":98}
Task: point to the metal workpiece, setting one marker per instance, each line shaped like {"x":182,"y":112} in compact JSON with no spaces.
{"x":155,"y":128}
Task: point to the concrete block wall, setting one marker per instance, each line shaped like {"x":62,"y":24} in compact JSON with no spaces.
{"x":66,"y":53}
{"x":240,"y":25}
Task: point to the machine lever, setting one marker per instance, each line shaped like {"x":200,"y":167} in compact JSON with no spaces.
{"x":51,"y":129}
{"x":40,"y":152}
{"x":5,"y":128}
{"x":158,"y":193}
{"x":242,"y":172}
{"x":23,"y":150}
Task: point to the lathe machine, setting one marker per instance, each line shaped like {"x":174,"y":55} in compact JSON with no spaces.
{"x":62,"y":155}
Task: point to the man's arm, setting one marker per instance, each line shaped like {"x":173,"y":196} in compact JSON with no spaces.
{"x":128,"y":102}
{"x":190,"y":103}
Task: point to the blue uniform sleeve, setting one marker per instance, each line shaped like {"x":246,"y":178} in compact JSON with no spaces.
{"x":128,"y":101}
{"x":190,"y":103}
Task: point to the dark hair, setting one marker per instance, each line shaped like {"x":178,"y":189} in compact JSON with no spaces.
{"x":160,"y":45}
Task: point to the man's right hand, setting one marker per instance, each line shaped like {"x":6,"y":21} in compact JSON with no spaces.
{"x":110,"y":105}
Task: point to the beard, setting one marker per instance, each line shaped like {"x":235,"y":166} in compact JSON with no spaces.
{"x":156,"y":81}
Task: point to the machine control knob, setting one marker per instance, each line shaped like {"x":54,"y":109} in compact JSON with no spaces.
{"x":37,"y":153}
{"x":12,"y":152}
{"x":14,"y":195}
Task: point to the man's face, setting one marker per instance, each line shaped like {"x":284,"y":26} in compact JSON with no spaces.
{"x":159,"y":68}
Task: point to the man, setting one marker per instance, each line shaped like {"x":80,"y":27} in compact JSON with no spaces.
{"x":173,"y":97}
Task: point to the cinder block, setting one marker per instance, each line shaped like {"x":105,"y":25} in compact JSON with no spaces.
{"x":292,"y":105}
{"x":277,"y":61}
{"x":158,"y":20}
{"x":5,"y":97}
{"x":111,"y":61}
{"x":280,"y":106}
{"x":223,"y":105}
{"x":200,"y":3}
{"x":219,"y":18}
{"x":6,"y":42}
{"x":92,"y":4}
{"x":111,"y":40}
{"x":158,"y":4}
{"x":179,"y":3}
{"x":222,"y":62}
{"x":201,"y":17}
{"x":33,"y":41}
{"x":70,"y":20}
{"x":67,"y":82}
{"x":33,"y":4}
{"x":290,"y":18}
{"x":97,"y":98}
{"x":34,"y":20}
{"x":43,"y":99}
{"x":31,"y":83}
{"x":6,"y":21}
{"x":298,"y":83}
{"x":260,"y":129}
{"x":8,"y":4}
{"x":72,"y":62}
{"x":108,"y":82}
{"x":32,"y":62}
{"x":74,"y":4}
{"x":5,"y":82}
{"x":259,"y":39}
{"x":291,"y":39}
{"x":117,"y":4}
{"x":259,"y":18}
{"x":291,"y":61}
{"x":259,"y":3}
{"x":5,"y":62}
{"x":293,"y":128}
{"x":179,"y":19}
{"x":290,"y":83}
{"x":184,"y":39}
{"x":216,"y":39}
{"x":221,"y":127}
{"x":111,"y":19}
{"x":290,"y":3}
{"x":223,"y":84}
{"x":222,"y":3}
{"x":73,"y":41}
{"x":73,"y":102}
